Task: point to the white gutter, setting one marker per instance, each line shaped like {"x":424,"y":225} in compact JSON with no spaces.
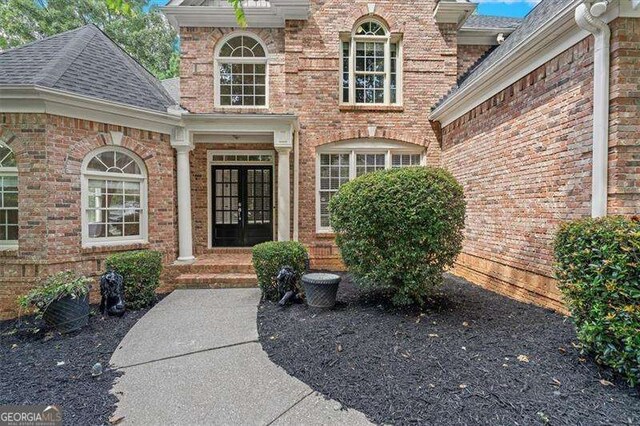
{"x":588,"y":19}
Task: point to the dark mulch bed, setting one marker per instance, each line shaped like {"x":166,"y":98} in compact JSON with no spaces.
{"x":454,"y":362}
{"x":31,"y":375}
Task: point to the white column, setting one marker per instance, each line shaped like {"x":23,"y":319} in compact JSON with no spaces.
{"x":184,"y":204}
{"x":284,"y":194}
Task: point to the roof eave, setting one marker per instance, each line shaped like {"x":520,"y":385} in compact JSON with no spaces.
{"x":505,"y":71}
{"x":37,"y":99}
{"x":453,"y":11}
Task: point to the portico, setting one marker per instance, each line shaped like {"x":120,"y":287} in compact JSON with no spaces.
{"x":234,"y":180}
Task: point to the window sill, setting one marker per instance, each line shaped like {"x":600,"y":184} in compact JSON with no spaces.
{"x":111,"y":246}
{"x":8,"y":250}
{"x":377,"y":108}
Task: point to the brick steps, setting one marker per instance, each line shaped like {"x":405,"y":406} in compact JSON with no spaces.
{"x":222,"y":280}
{"x":223,"y":268}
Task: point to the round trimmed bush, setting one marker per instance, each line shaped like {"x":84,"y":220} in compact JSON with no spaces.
{"x":598,"y":270}
{"x":270,"y":257}
{"x":141,"y":271}
{"x":398,"y":230}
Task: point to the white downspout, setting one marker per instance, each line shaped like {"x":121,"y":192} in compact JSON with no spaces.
{"x":296,"y":185}
{"x":587,"y":18}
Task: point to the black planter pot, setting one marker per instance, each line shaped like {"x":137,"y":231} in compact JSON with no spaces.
{"x":67,"y":314}
{"x":321,"y":290}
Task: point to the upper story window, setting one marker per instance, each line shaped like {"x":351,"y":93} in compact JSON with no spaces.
{"x":371,"y":66}
{"x":114,"y":193}
{"x":241,"y":72}
{"x":8,"y":197}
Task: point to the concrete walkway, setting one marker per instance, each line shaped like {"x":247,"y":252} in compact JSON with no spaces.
{"x":195,"y":359}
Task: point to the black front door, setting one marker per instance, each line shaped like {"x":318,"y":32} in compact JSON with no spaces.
{"x":242,"y":205}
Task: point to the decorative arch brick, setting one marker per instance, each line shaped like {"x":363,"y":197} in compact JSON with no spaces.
{"x":380,"y":133}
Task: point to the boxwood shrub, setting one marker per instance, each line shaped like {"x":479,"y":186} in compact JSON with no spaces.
{"x":141,"y":271}
{"x":598,"y":269}
{"x":269,"y":258}
{"x":398,"y":230}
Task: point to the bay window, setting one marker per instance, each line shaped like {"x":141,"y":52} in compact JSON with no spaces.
{"x":370,"y":66}
{"x":338,"y":164}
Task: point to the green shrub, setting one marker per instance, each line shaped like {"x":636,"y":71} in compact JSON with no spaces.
{"x":56,"y":287}
{"x":270,"y":257}
{"x":598,"y":269}
{"x":141,"y":271}
{"x":398,"y":230}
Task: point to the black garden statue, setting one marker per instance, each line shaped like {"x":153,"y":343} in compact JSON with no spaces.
{"x":287,"y":285}
{"x":112,"y":292}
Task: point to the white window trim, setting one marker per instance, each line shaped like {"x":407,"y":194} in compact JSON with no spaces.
{"x":216,"y":69}
{"x":353,"y":148}
{"x":210,"y":163}
{"x":6,"y":245}
{"x":143,"y":238}
{"x":352,"y":38}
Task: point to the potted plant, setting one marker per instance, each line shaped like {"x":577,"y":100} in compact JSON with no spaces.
{"x":62,"y":300}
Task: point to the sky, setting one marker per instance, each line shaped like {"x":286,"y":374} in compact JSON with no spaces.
{"x":516,"y":8}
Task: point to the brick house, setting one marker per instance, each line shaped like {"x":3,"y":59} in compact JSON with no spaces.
{"x":265,"y":123}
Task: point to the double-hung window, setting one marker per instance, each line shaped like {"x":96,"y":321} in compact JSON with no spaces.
{"x":241,"y":72}
{"x":8,"y":197}
{"x":371,"y":62}
{"x":340,"y":164}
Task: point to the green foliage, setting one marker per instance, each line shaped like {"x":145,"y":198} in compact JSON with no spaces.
{"x":56,"y":287}
{"x":269,"y":258}
{"x":237,"y":7}
{"x":141,"y":271}
{"x":145,"y":35}
{"x":598,"y":269}
{"x":398,"y":230}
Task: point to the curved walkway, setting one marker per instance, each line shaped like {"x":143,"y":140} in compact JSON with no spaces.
{"x":195,"y":359}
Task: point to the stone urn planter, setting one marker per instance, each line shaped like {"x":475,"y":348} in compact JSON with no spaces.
{"x":67,"y":314}
{"x":321,"y":290}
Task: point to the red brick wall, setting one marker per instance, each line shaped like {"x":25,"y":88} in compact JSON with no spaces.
{"x":304,"y":73}
{"x":50,"y":150}
{"x":624,"y":137}
{"x":524,"y":159}
{"x":313,"y":71}
{"x":198,"y":46}
{"x":469,"y":55}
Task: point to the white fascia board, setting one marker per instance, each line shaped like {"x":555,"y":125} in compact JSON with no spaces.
{"x":239,"y":123}
{"x":453,"y":12}
{"x":34,"y":99}
{"x":551,"y":39}
{"x":210,"y":16}
{"x":257,"y":17}
{"x":482,"y":36}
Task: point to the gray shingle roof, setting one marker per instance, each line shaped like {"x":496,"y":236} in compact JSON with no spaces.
{"x":172,"y":86}
{"x":485,"y":21}
{"x":540,"y":15}
{"x":86,"y":62}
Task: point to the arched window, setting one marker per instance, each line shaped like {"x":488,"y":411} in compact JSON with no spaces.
{"x":8,"y":196}
{"x":241,"y":72}
{"x":371,"y":65}
{"x":114,"y":196}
